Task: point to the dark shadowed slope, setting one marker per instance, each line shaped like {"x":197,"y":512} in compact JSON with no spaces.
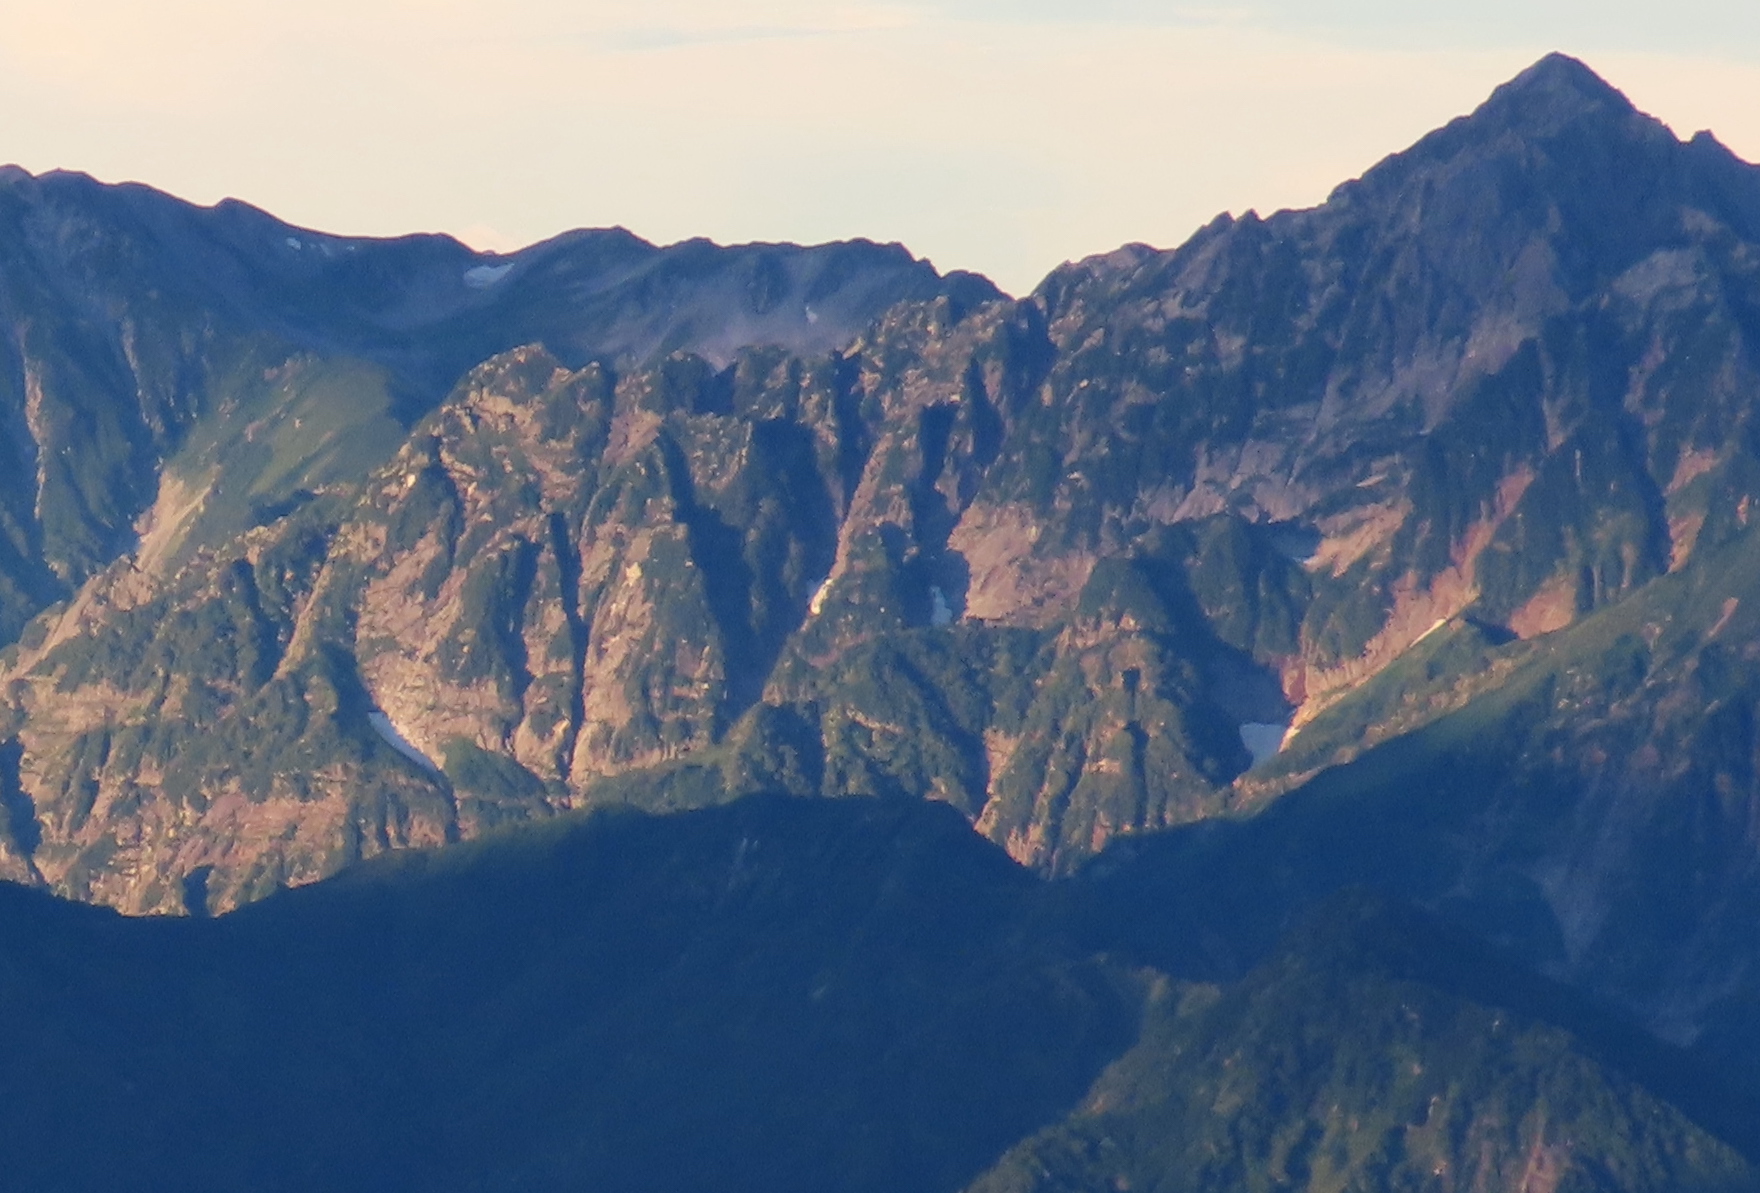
{"x":794,"y":995}
{"x":777,"y":995}
{"x":1377,"y":1050}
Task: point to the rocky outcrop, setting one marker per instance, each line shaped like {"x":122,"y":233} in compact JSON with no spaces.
{"x":215,"y":365}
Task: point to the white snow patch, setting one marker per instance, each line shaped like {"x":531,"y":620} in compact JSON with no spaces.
{"x":384,"y":728}
{"x":940,"y":612}
{"x":1440,"y":622}
{"x":818,"y":601}
{"x":1263,"y":739}
{"x":481,"y":277}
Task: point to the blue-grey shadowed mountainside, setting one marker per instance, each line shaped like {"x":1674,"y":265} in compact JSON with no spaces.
{"x":1376,"y":573}
{"x":788,"y":994}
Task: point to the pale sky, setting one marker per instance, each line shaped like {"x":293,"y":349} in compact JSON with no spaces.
{"x":1000,"y":137}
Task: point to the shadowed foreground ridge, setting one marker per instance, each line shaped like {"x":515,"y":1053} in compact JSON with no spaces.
{"x":1377,"y":1049}
{"x":777,"y":995}
{"x":781,"y":994}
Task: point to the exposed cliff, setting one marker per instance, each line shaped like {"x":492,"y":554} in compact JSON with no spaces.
{"x":1065,"y":563}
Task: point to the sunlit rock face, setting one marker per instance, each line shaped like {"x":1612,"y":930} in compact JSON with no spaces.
{"x":319,"y":548}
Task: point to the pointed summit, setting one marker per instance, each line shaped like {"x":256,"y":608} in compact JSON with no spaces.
{"x":1557,"y":73}
{"x":1552,"y":93}
{"x":1558,"y":117}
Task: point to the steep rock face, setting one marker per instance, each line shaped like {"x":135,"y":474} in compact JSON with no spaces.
{"x":1495,"y":374}
{"x":556,"y":578}
{"x":1048,"y":560}
{"x":180,"y":371}
{"x":566,"y":574}
{"x":604,"y":574}
{"x":209,"y":725}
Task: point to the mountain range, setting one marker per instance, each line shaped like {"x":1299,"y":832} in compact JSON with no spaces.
{"x":1341,"y":627}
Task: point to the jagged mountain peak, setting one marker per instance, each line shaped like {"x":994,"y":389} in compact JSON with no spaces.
{"x":1557,"y":124}
{"x":1548,"y":191}
{"x":1556,"y":151}
{"x":1557,"y":86}
{"x":1558,"y":95}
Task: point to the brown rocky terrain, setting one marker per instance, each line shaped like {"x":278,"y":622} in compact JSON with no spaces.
{"x":1054,"y":560}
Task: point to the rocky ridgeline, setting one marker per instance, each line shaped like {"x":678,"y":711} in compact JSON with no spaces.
{"x":701,"y":522}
